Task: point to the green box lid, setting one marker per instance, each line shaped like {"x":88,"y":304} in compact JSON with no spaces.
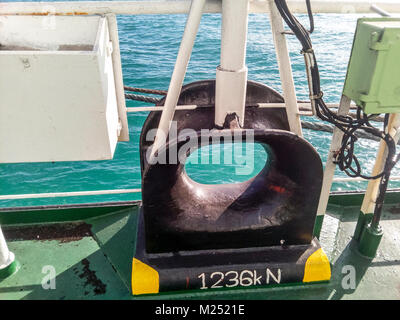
{"x":373,"y":74}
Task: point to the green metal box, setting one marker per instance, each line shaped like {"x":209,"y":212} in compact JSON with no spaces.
{"x":373,"y":74}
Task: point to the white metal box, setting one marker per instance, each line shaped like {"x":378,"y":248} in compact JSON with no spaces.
{"x":58,"y":96}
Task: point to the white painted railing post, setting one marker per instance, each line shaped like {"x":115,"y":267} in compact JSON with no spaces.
{"x":285,"y":69}
{"x":231,"y":76}
{"x":178,"y":75}
{"x":371,"y":194}
{"x":6,"y":256}
{"x":118,"y":79}
{"x":330,"y":166}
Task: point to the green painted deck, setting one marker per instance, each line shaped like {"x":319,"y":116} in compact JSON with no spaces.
{"x":96,"y":264}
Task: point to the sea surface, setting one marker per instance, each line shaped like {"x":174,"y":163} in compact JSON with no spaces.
{"x":149,"y":46}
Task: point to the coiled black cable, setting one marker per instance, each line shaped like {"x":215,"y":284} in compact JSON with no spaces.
{"x":346,"y":159}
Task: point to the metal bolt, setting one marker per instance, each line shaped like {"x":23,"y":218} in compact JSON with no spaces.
{"x":26,"y":63}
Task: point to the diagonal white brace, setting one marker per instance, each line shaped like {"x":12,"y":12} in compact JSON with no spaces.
{"x":178,"y":75}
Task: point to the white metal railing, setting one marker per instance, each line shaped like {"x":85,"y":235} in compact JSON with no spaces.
{"x":357,"y":179}
{"x":260,"y":105}
{"x":126,"y":191}
{"x":178,"y":7}
{"x":67,"y":194}
{"x":379,"y":11}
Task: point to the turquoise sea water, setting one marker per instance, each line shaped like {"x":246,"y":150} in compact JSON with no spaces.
{"x":149,"y":45}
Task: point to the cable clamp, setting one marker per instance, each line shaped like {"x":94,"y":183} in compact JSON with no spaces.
{"x":310,"y":50}
{"x":316,"y":96}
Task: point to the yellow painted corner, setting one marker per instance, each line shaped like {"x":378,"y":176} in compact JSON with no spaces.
{"x":317,"y":267}
{"x":145,"y":279}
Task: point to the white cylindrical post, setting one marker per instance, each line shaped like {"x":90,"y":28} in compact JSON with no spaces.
{"x":234,"y":34}
{"x":231,"y":78}
{"x":6,"y":256}
{"x":178,"y":75}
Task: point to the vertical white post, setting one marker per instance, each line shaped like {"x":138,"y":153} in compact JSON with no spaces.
{"x":371,"y":194}
{"x":285,"y":69}
{"x":231,"y":77}
{"x":119,"y":83}
{"x":178,"y":75}
{"x":330,"y":166}
{"x":6,"y":256}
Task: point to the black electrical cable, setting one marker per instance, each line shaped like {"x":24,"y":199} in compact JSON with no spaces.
{"x":345,"y":158}
{"x":310,"y":16}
